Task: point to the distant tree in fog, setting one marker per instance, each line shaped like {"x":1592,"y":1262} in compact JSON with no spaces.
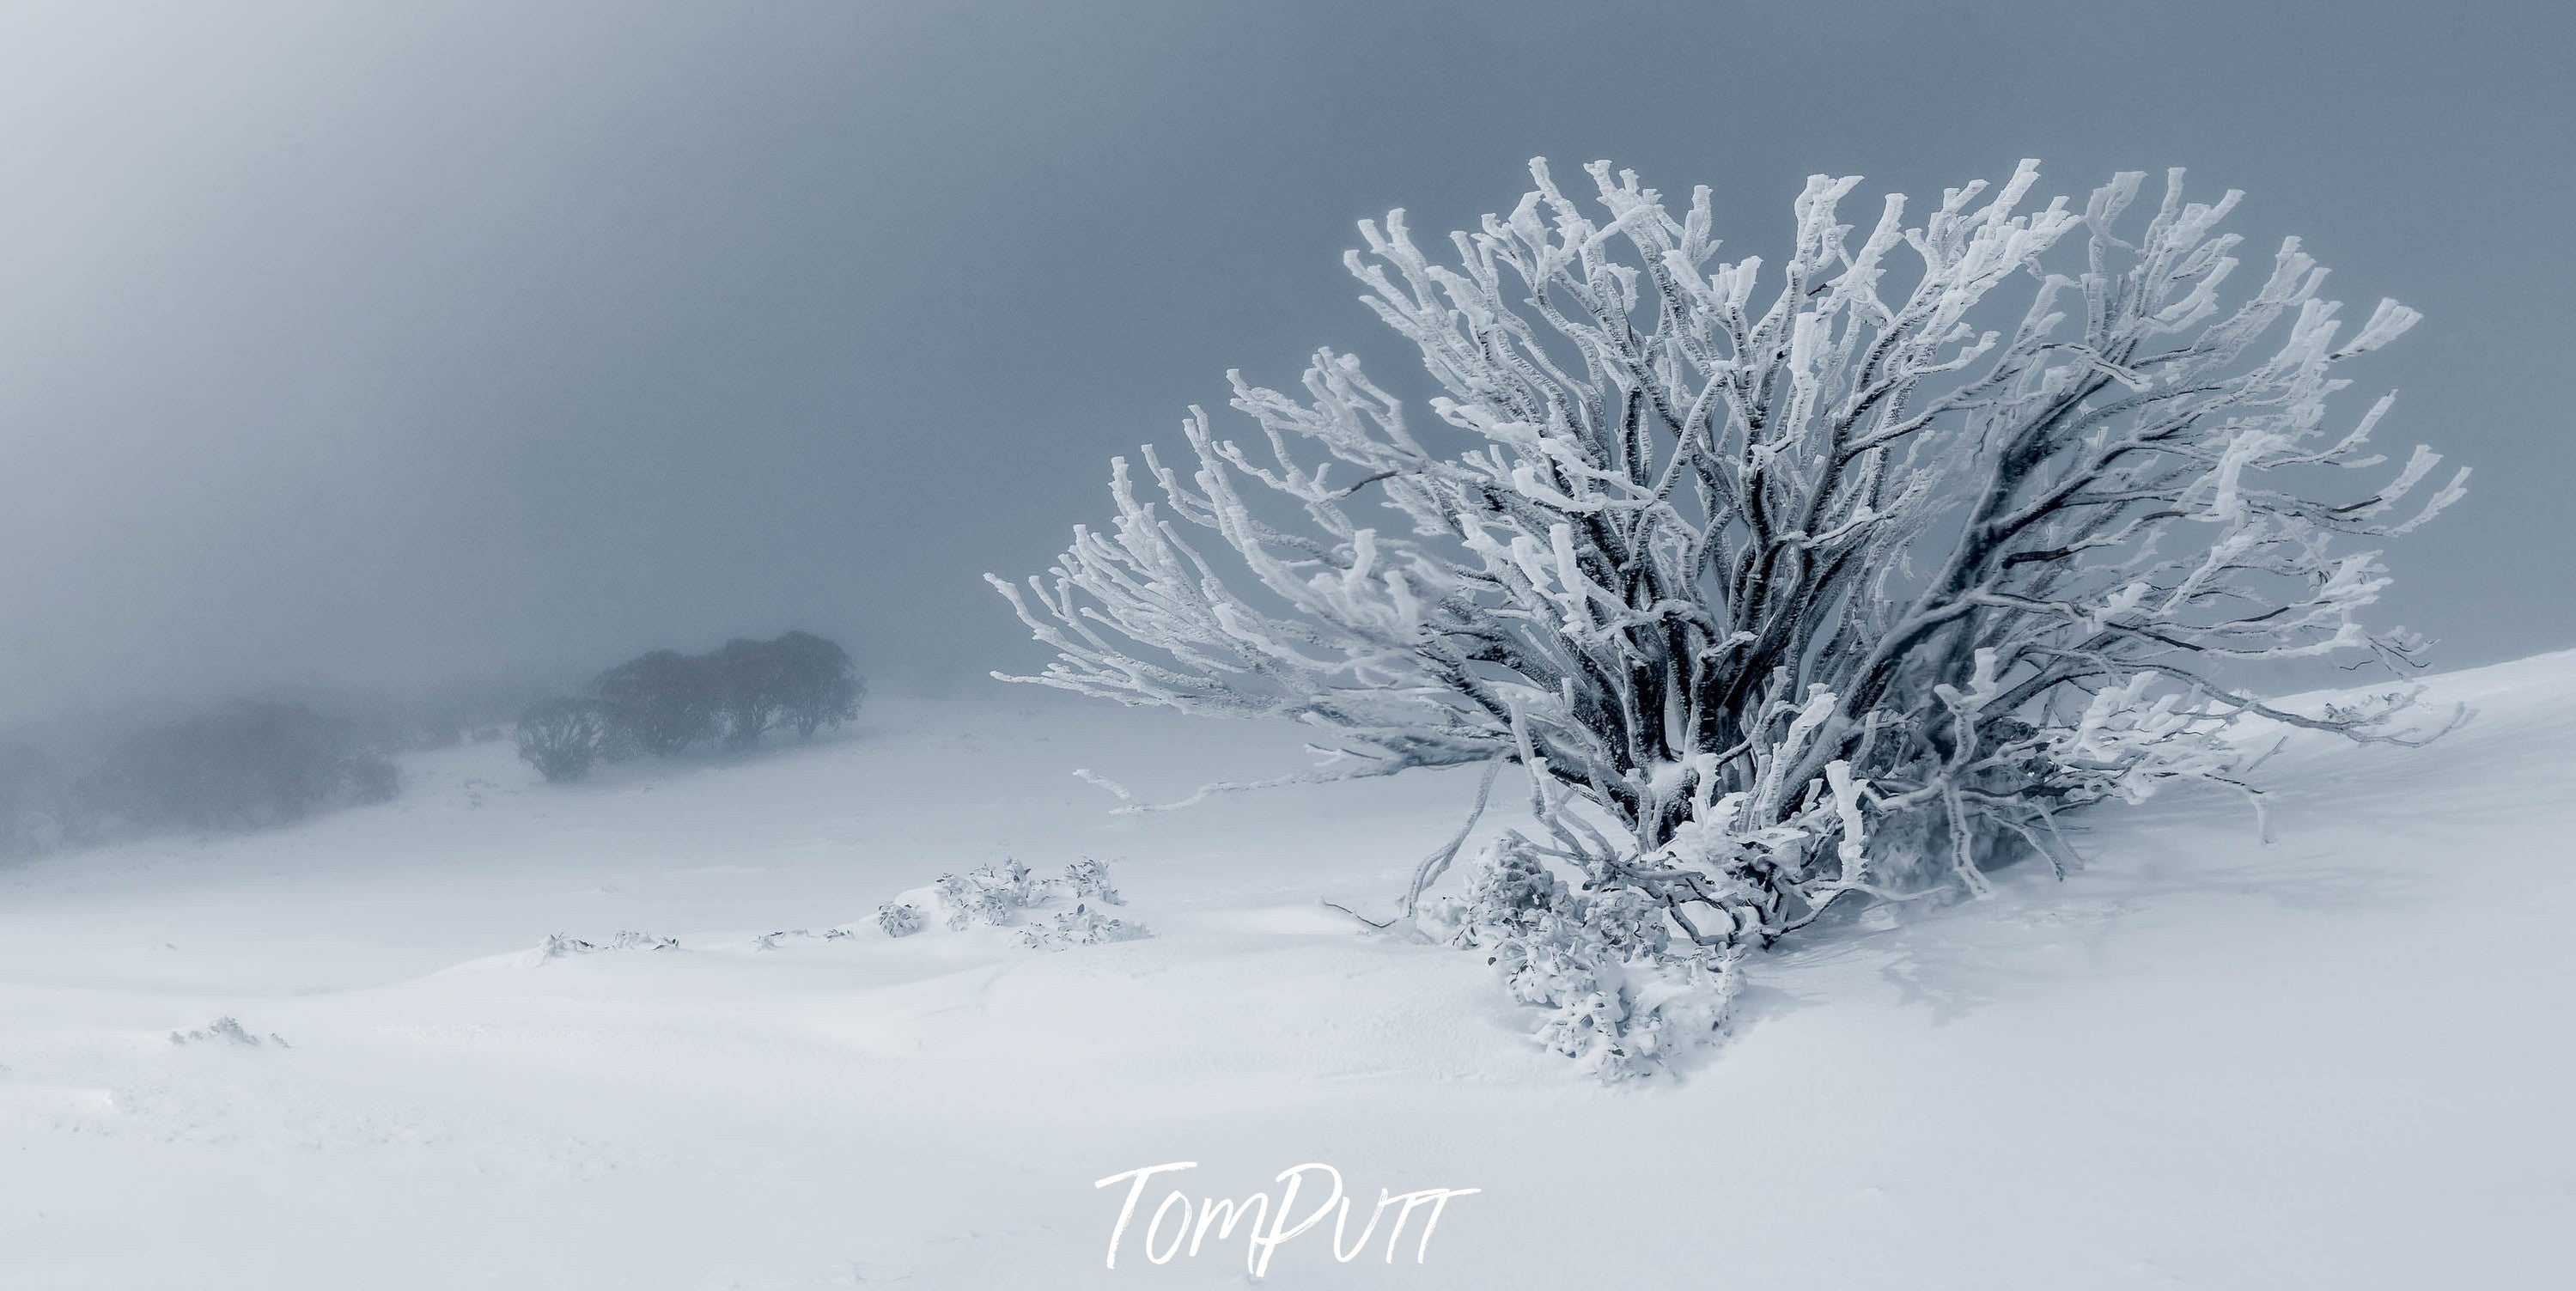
{"x":818,"y":685}
{"x":243,"y":766}
{"x":369,"y":777}
{"x":750,"y":689}
{"x":657,"y":703}
{"x":29,"y":798}
{"x":663,"y":701}
{"x":562,"y":737}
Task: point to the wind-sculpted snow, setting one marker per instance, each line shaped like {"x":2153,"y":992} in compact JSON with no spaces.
{"x":2199,"y":1060}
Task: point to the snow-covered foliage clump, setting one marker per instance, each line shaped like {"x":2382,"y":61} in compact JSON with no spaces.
{"x":228,"y":1029}
{"x":1784,"y":583}
{"x":558,"y":945}
{"x":770,"y":940}
{"x":899,"y":919}
{"x":1049,"y":913}
{"x":1080,"y":926}
{"x":1613,"y":989}
{"x":990,"y":895}
{"x":1089,"y":879}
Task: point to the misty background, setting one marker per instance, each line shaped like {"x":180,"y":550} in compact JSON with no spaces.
{"x":385,"y":348}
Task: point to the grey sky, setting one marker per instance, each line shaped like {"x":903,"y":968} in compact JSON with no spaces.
{"x":386,"y":344}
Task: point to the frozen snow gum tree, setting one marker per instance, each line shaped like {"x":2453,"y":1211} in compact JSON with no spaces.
{"x":1783,"y":585}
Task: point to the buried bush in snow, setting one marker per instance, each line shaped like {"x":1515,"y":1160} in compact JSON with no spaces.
{"x":988,"y":896}
{"x":899,"y":919}
{"x":1013,"y":896}
{"x":999,"y":897}
{"x":1090,"y":879}
{"x":227,"y":1028}
{"x":770,"y":940}
{"x":1601,"y":967}
{"x":1079,"y":926}
{"x":1843,"y":593}
{"x":557,"y":945}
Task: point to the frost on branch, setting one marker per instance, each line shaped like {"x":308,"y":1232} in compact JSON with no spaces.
{"x":1786,"y":582}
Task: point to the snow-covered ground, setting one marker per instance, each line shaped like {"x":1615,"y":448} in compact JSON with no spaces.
{"x":2340,"y":1060}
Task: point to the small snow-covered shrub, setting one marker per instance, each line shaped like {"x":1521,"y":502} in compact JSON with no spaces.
{"x":1089,"y":879}
{"x":1833,"y":578}
{"x":898,"y":919}
{"x":557,"y":945}
{"x":1080,"y":926}
{"x":1614,"y":988}
{"x":228,"y":1029}
{"x":987,"y":895}
{"x":1051,"y":913}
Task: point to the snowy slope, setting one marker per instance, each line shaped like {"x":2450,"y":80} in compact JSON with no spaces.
{"x":2336,"y":1061}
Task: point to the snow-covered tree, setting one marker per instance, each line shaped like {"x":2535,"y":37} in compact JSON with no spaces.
{"x":1784,"y":584}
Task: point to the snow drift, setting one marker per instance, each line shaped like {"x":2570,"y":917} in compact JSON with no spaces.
{"x":2334,"y":1060}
